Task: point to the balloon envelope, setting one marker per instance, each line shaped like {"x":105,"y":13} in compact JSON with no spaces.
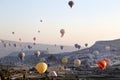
{"x":77,"y":62}
{"x":102,"y":65}
{"x":71,"y":3}
{"x":62,"y":31}
{"x":96,"y":52}
{"x":37,"y":53}
{"x":64,"y":60}
{"x":41,"y":67}
{"x":21,"y":55}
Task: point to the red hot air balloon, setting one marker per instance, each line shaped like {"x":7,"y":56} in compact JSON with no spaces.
{"x":71,"y":3}
{"x":102,"y":65}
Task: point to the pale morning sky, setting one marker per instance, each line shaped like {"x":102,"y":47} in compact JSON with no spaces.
{"x":88,"y":21}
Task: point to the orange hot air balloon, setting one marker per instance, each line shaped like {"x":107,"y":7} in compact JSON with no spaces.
{"x":71,"y":3}
{"x":102,"y":65}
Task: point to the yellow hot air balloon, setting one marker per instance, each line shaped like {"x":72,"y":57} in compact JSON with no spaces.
{"x":41,"y":67}
{"x":77,"y":62}
{"x":64,"y":60}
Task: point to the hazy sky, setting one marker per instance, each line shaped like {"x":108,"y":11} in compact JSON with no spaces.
{"x":88,"y":21}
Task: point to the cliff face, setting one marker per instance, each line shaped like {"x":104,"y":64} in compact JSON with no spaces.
{"x":88,"y":56}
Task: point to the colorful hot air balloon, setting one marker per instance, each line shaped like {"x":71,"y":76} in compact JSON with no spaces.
{"x":65,"y":60}
{"x":71,"y":3}
{"x":77,"y":62}
{"x":62,"y":32}
{"x":102,"y":65}
{"x":41,"y":67}
{"x":21,"y":55}
{"x":37,"y":54}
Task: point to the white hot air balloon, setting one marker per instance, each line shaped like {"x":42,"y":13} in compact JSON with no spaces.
{"x":22,"y":55}
{"x":77,"y":62}
{"x":37,"y":54}
{"x":53,"y":74}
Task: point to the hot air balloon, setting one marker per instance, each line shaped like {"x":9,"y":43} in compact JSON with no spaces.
{"x":38,"y":31}
{"x":102,"y":65}
{"x":41,"y":21}
{"x":62,"y":32}
{"x":108,"y":61}
{"x":65,"y":60}
{"x":86,"y":44}
{"x":34,"y":39}
{"x":107,"y":48}
{"x":95,"y":52}
{"x":21,"y":55}
{"x":41,"y":67}
{"x":76,"y":45}
{"x":53,"y":74}
{"x":15,"y":45}
{"x":29,"y":47}
{"x":71,"y":3}
{"x":61,"y":47}
{"x":77,"y":62}
{"x":37,"y":54}
{"x":13,"y":33}
{"x":20,"y":39}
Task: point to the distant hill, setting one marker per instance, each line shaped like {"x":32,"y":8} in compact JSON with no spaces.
{"x":89,"y":56}
{"x":10,"y":47}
